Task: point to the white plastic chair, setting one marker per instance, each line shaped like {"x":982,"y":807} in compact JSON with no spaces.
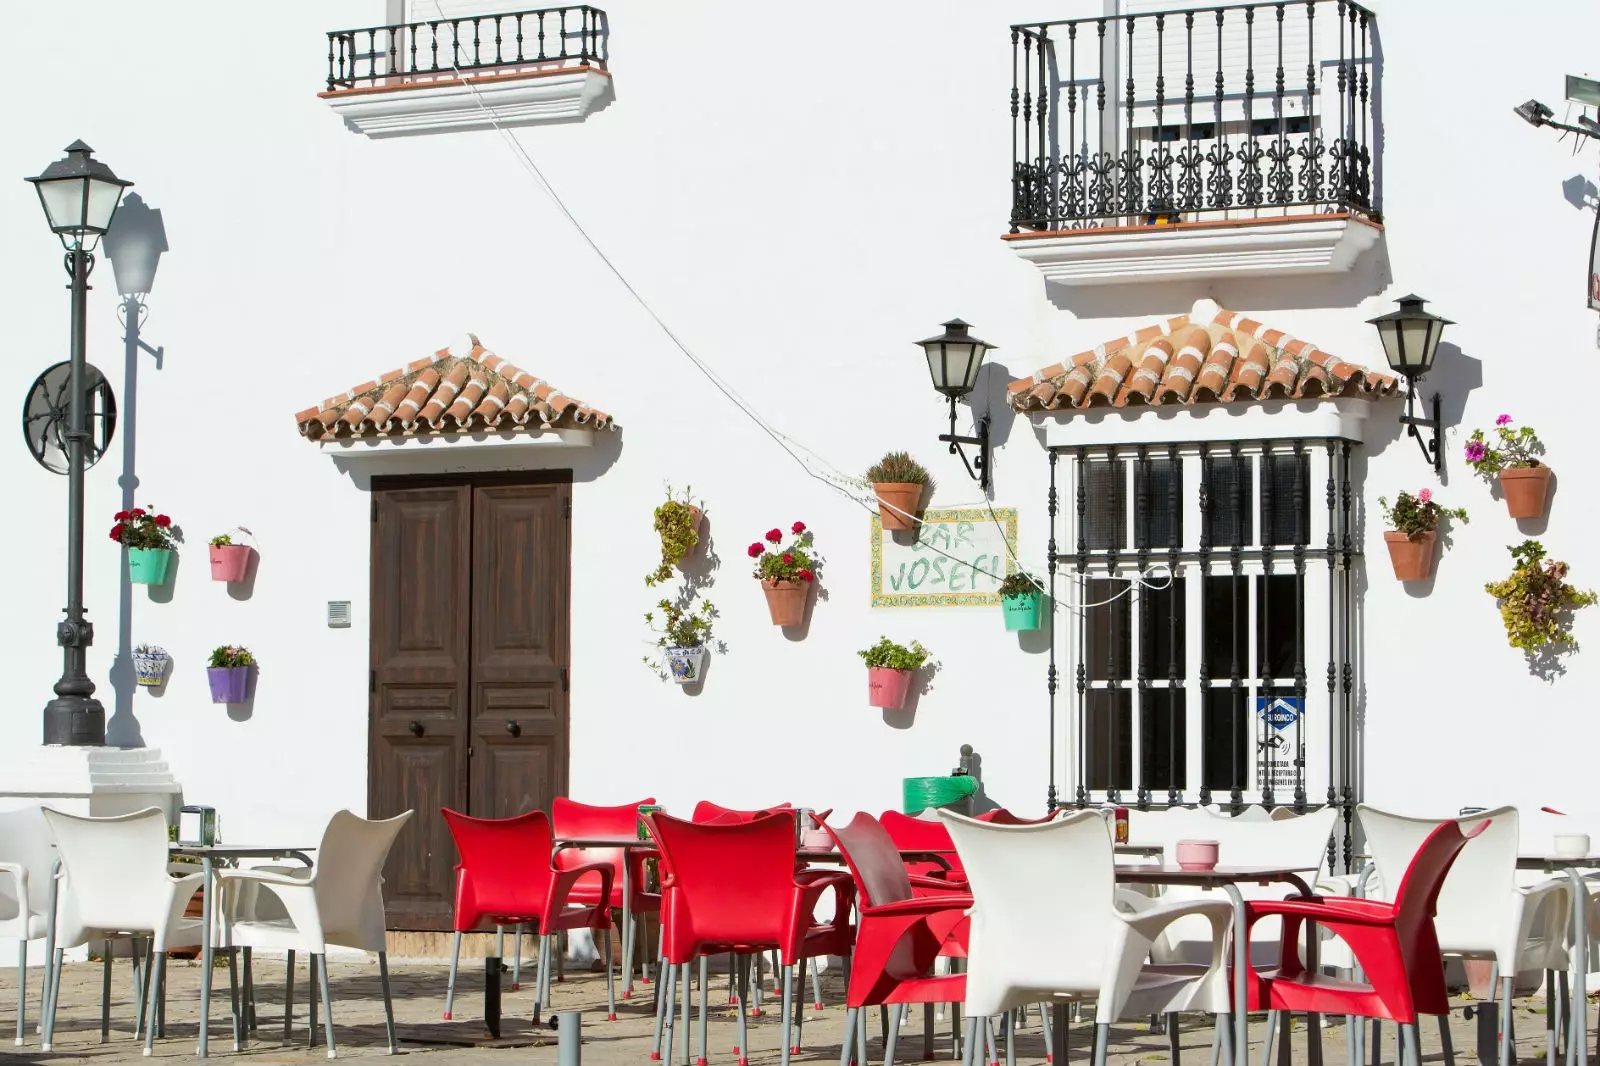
{"x":338,"y":902}
{"x":26,"y":862}
{"x":1045,"y":924}
{"x":115,"y":883}
{"x":1483,"y":913}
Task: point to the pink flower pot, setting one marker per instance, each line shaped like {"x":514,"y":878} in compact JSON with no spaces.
{"x":887,"y":688}
{"x":1197,"y":854}
{"x":229,"y":562}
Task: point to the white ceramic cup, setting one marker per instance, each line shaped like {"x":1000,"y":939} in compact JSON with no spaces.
{"x":1572,"y":845}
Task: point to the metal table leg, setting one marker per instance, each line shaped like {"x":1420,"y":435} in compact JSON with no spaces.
{"x":627,"y":928}
{"x":47,"y":1021}
{"x":206,"y":948}
{"x":1241,"y":964}
{"x":1577,"y":1048}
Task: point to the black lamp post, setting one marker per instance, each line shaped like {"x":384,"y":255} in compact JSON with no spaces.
{"x":954,"y":358}
{"x":1410,"y":340}
{"x":79,"y":195}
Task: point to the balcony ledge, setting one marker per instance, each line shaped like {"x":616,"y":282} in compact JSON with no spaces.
{"x":1296,"y":244}
{"x":411,"y":105}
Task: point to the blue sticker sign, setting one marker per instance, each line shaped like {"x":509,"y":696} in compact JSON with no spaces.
{"x":1280,"y":712}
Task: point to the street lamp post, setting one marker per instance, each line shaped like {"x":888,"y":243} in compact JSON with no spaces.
{"x":79,"y":195}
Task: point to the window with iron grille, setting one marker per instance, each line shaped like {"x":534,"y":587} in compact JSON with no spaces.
{"x":1205,"y":620}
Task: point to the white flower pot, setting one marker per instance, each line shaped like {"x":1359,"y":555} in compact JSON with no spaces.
{"x":686,"y":664}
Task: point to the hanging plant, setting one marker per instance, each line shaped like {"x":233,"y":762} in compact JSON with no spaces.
{"x":786,"y":573}
{"x":1513,"y":458}
{"x":228,"y":672}
{"x":1415,"y":521}
{"x":684,"y":637}
{"x":1021,"y":601}
{"x":898,"y":480}
{"x":678,"y":525}
{"x":229,"y":561}
{"x":150,"y":665}
{"x":889,"y":670}
{"x":1535,"y":600}
{"x":150,"y":539}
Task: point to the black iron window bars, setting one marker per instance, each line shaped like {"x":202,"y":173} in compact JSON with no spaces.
{"x":1202,"y":690}
{"x":1238,"y":111}
{"x":576,"y":35}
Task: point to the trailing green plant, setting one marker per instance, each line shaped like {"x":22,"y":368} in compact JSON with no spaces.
{"x":891,"y":656}
{"x":680,"y":626}
{"x":228,"y":657}
{"x":1535,"y":600}
{"x":898,"y":468}
{"x":1515,"y":448}
{"x":796,"y":561}
{"x":1018,"y":583}
{"x":677,"y":523}
{"x":1412,"y":515}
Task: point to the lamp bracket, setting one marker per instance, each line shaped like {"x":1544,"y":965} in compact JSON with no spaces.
{"x":1431,"y":447}
{"x":978,"y":467}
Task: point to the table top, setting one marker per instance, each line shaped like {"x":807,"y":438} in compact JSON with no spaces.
{"x":1556,"y":862}
{"x":633,"y":843}
{"x":1172,"y":874}
{"x":236,"y":851}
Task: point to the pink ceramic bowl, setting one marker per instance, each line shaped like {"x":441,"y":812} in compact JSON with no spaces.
{"x":816,"y":840}
{"x":1197,"y":854}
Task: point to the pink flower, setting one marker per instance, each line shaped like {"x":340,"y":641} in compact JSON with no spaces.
{"x":1503,"y":420}
{"x":1425,"y":496}
{"x":1476,"y":450}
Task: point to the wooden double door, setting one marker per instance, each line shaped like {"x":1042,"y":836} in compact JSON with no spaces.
{"x":468,"y":686}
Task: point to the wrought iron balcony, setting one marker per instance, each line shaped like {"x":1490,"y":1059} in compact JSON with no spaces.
{"x":1255,"y":111}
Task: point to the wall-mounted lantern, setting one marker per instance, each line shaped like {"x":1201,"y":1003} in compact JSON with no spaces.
{"x":1410,"y":340}
{"x":954,"y":358}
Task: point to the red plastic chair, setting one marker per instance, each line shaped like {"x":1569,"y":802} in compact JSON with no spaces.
{"x":900,"y":934}
{"x":706,"y":811}
{"x":507,"y":875}
{"x":1394,"y":943}
{"x":734,"y":888}
{"x":573,"y":821}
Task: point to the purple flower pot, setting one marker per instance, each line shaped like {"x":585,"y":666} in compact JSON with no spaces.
{"x":228,"y":683}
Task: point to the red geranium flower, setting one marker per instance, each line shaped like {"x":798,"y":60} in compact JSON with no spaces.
{"x":805,"y":575}
{"x":163,"y":521}
{"x":137,"y":512}
{"x":756,"y":550}
{"x":774,"y":535}
{"x":798,"y":528}
{"x":116,"y":533}
{"x":788,"y":558}
{"x":121,"y":516}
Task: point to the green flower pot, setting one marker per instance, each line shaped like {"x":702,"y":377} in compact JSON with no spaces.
{"x":1022,"y":612}
{"x":148,"y":566}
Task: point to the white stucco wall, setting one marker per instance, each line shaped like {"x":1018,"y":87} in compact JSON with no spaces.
{"x":800,"y":197}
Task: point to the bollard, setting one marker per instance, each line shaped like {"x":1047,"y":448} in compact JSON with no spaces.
{"x":569,"y":1038}
{"x":491,"y":996}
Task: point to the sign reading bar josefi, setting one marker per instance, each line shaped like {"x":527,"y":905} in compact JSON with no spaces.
{"x":958,"y":559}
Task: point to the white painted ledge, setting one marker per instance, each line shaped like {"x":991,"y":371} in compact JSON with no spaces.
{"x":385,"y":449}
{"x":97,"y":781}
{"x":1304,"y":244}
{"x":524,"y":98}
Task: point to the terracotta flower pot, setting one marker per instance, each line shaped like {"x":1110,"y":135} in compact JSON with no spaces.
{"x":229,"y":562}
{"x":786,"y":601}
{"x":904,"y":495}
{"x":1412,"y":556}
{"x":695,"y":515}
{"x":1525,"y":488}
{"x":887,"y":688}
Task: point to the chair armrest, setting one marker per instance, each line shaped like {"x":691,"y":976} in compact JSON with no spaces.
{"x":1325,"y":910}
{"x":1555,"y":885}
{"x":265,"y":875}
{"x":946,"y":884}
{"x":809,"y":876}
{"x":19,"y":874}
{"x":563,"y":881}
{"x":918,"y":905}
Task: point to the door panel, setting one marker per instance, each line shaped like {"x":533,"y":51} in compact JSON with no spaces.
{"x":420,"y":657}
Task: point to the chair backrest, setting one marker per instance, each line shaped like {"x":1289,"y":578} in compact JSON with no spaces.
{"x":1474,"y":906}
{"x":874,"y":860}
{"x":1001,"y":816}
{"x":729,"y":884}
{"x":1018,"y":937}
{"x":1416,"y":903}
{"x":1262,"y":838}
{"x":348,"y":876}
{"x":115,"y":868}
{"x":706,"y":811}
{"x":572,"y":820}
{"x":505,"y":866}
{"x":920,"y":834}
{"x":25,"y":840}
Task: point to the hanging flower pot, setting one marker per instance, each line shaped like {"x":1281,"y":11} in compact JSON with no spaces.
{"x":684,"y":637}
{"x":686,"y":664}
{"x":1525,"y":489}
{"x":1412,"y":557}
{"x":898,"y":480}
{"x":786,"y":601}
{"x":1021,"y":602}
{"x":786,"y":573}
{"x":148,"y":566}
{"x":677,"y":523}
{"x":150,"y":665}
{"x":229,"y":561}
{"x":228,"y":671}
{"x":890,"y":667}
{"x":150,"y":539}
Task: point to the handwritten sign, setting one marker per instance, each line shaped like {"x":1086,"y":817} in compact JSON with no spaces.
{"x":958,"y":559}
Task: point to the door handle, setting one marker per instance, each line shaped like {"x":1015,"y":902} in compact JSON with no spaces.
{"x":416,"y":729}
{"x":514,"y":729}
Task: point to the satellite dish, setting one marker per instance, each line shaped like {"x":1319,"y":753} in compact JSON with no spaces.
{"x":45,"y":413}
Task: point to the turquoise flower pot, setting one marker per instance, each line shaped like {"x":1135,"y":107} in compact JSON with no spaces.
{"x":1022,"y":612}
{"x":148,"y":566}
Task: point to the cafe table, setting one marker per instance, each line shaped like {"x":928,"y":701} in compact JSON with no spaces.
{"x":1577,"y":1009}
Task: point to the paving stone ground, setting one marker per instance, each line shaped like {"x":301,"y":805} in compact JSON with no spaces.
{"x":419,"y":1005}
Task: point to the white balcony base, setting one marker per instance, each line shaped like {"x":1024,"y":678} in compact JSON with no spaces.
{"x":529,"y":98}
{"x":1304,"y":244}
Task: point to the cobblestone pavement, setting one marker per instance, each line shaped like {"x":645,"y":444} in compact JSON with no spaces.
{"x":419,"y":1005}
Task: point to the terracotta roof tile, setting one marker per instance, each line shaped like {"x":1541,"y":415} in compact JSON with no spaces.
{"x":447,"y":394}
{"x":1207,"y":356}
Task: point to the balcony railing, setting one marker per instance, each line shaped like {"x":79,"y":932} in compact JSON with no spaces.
{"x":1244,"y":111}
{"x":424,"y":51}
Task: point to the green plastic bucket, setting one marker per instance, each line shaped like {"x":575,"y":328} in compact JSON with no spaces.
{"x":921,"y":793}
{"x":1022,"y":612}
{"x":148,"y":566}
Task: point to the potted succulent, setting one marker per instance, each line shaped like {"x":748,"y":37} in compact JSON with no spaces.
{"x":228,"y":670}
{"x":684,"y":636}
{"x":150,"y":665}
{"x":229,"y":561}
{"x":677,"y":523}
{"x":889,"y":670}
{"x":898,"y":481}
{"x":786,"y":573}
{"x":150,"y":539}
{"x":1411,"y":541}
{"x":1021,"y":601}
{"x":1536,"y":601}
{"x":1524,"y":480}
